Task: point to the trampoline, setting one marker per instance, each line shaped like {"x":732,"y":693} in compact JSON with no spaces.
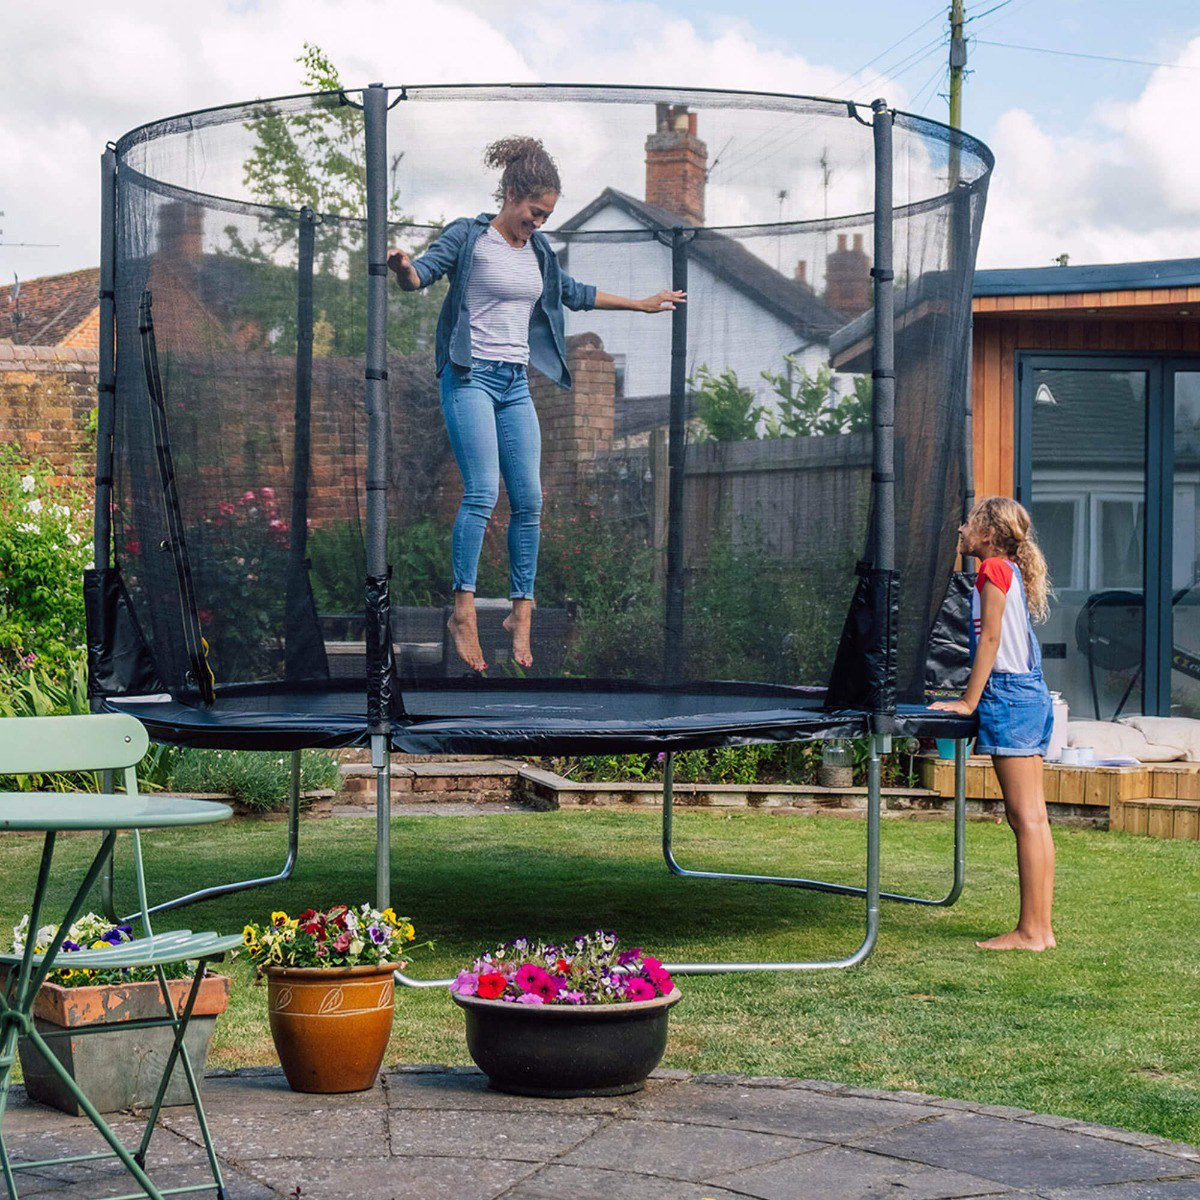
{"x":749,"y":504}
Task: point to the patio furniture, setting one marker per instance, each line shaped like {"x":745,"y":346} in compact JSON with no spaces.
{"x":59,"y":744}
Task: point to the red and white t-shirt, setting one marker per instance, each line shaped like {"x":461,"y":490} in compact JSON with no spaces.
{"x":1013,"y":657}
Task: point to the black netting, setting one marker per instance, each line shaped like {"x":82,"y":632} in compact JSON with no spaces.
{"x":240,"y":513}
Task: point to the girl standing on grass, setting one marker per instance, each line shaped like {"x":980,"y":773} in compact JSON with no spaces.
{"x":1007,"y":691}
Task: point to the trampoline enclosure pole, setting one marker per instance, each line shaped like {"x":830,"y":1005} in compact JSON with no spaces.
{"x":297,"y":606}
{"x":676,"y":462}
{"x":883,"y":374}
{"x":378,"y":452}
{"x":106,"y":374}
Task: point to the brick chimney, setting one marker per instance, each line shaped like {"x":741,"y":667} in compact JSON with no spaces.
{"x":801,"y":275}
{"x":676,"y":164}
{"x":848,"y":277}
{"x":181,"y":231}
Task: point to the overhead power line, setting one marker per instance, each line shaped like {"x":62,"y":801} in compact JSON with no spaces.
{"x":1137,"y":62}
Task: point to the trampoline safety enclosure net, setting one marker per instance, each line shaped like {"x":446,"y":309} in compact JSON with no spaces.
{"x":737,"y":539}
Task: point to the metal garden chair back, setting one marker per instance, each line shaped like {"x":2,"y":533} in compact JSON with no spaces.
{"x":53,"y":745}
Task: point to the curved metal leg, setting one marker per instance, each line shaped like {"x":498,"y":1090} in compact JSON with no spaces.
{"x":226,"y":889}
{"x":879,"y":745}
{"x":819,"y":885}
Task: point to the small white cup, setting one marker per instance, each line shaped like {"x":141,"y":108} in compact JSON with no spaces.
{"x":1070,"y":756}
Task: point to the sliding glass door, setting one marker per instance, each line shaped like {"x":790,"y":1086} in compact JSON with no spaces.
{"x":1085,"y":487}
{"x":1182,"y":619}
{"x":1108,"y":463}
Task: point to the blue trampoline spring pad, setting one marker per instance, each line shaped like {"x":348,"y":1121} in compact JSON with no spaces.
{"x":564,"y":717}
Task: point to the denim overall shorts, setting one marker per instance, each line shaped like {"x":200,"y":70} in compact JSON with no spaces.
{"x":1016,"y":715}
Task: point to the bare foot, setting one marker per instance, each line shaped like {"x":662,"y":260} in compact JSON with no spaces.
{"x":1016,"y":940}
{"x":518,"y":623}
{"x":465,"y":634}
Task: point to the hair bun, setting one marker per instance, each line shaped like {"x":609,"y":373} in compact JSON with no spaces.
{"x":511,"y":149}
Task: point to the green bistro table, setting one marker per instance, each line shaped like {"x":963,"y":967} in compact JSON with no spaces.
{"x":108,"y":814}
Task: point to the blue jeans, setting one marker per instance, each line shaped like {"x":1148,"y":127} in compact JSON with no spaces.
{"x":494,"y":430}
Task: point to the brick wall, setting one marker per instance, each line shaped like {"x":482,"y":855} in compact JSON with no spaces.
{"x":46,"y":395}
{"x":48,"y":392}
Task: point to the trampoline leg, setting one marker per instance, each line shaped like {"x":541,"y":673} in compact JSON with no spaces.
{"x":820,"y":885}
{"x":879,"y":745}
{"x":285,"y":872}
{"x":381,"y":760}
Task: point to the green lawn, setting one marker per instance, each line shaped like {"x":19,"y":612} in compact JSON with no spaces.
{"x":1106,"y":1028}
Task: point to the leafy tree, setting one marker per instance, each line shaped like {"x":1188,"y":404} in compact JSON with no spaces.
{"x":808,"y":406}
{"x":314,"y":158}
{"x":727,"y":411}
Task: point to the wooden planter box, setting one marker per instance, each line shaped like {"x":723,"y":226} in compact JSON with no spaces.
{"x":119,"y":1069}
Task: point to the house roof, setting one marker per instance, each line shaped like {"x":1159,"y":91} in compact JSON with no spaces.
{"x":729,"y":260}
{"x":43,"y":312}
{"x":1094,"y":419}
{"x":1101,"y":277}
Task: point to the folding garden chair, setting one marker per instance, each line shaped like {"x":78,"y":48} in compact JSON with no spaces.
{"x":44,"y":745}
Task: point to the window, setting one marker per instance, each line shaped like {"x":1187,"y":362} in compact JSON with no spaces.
{"x":1059,"y":521}
{"x":1118,"y":540}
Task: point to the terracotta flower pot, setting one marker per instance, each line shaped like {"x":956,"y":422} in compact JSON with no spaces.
{"x":119,"y":1069}
{"x":562,"y":1050}
{"x":331,"y":1025}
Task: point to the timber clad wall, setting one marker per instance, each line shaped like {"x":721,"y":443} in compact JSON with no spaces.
{"x":1146,"y":321}
{"x":46,"y":396}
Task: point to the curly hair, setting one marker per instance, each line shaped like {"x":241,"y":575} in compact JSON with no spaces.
{"x":1008,"y":527}
{"x":526,"y":169}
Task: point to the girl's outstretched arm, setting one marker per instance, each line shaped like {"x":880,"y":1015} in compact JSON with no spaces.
{"x":991,"y":613}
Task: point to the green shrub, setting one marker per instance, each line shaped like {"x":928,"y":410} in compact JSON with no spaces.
{"x":794,"y":763}
{"x":258,"y":779}
{"x":45,"y":544}
{"x":727,"y":411}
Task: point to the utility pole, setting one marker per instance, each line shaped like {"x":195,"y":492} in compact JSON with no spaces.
{"x":958,"y":61}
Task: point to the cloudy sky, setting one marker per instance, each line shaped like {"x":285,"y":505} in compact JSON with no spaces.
{"x":1097,"y":159}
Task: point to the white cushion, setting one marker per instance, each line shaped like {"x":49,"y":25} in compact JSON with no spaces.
{"x":1182,"y":732}
{"x":1110,"y":739}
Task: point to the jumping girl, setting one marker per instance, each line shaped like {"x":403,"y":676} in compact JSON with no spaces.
{"x":504,"y":310}
{"x":1007,"y":690}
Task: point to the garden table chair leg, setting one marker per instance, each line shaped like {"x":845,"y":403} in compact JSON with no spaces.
{"x":179,"y":1052}
{"x":118,"y":1147}
{"x":8,"y":1051}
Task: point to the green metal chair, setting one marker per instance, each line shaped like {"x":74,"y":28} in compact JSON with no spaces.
{"x":43,"y":745}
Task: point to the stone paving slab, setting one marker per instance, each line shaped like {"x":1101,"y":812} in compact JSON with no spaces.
{"x":438,"y":1133}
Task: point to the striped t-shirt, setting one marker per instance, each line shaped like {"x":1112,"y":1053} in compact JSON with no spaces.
{"x":505,"y":284}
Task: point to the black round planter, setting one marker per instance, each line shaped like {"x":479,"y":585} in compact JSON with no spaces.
{"x":567,"y":1050}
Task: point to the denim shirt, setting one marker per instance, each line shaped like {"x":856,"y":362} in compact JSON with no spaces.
{"x":453,"y":253}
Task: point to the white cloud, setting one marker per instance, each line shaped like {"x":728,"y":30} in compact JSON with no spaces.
{"x":78,"y":74}
{"x":1131,"y":193}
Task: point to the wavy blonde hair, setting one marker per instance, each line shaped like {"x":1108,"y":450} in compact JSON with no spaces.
{"x":1007,"y":527}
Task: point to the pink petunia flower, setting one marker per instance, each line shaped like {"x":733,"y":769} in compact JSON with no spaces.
{"x":638,"y":988}
{"x":530,"y":998}
{"x":267,"y":493}
{"x":546,"y":987}
{"x":248,"y":497}
{"x":530,"y":976}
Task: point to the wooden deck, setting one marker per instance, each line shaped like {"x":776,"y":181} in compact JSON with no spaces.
{"x":1155,"y":799}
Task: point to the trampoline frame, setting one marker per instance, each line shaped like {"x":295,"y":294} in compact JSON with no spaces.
{"x":380,"y":676}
